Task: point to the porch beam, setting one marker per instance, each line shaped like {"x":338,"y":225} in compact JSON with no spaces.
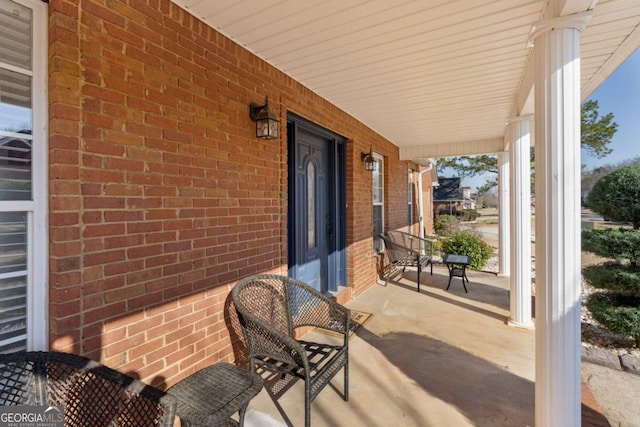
{"x":524,"y":98}
{"x":557,"y":130}
{"x":452,"y":149}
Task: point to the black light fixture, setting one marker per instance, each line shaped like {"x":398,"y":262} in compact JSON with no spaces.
{"x":369,"y":161}
{"x":267,"y":125}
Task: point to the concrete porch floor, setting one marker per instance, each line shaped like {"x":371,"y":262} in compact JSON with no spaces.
{"x":434,"y":358}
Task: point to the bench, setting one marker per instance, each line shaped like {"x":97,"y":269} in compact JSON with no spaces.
{"x":407,"y":250}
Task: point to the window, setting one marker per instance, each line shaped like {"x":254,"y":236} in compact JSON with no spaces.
{"x":311,"y":205}
{"x":23,"y":175}
{"x":410,"y":200}
{"x":378,"y":202}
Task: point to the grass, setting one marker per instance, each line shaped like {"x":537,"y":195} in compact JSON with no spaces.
{"x":488,"y":220}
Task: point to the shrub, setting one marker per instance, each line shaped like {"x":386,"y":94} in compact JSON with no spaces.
{"x":468,"y":243}
{"x":445,"y":225}
{"x":616,"y":244}
{"x":618,"y":313}
{"x":617,"y":195}
{"x":617,"y":307}
{"x":614,"y":277}
{"x":437,"y":246}
{"x":470,"y":215}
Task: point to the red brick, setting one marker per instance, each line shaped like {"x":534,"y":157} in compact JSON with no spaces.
{"x":159,"y":189}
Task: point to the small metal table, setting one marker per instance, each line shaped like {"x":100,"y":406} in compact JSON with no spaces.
{"x":212,"y":395}
{"x":457,"y":265}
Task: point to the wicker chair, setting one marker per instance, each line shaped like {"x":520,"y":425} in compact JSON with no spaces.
{"x":407,"y":250}
{"x":270,"y":308}
{"x":91,"y":393}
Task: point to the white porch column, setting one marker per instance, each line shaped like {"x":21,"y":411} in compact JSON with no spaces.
{"x":520,"y":161}
{"x":504,"y":219}
{"x":557,"y":130}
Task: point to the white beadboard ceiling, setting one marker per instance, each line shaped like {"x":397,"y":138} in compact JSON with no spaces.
{"x":435,"y":77}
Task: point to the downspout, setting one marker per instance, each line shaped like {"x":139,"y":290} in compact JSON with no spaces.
{"x":431,"y":164}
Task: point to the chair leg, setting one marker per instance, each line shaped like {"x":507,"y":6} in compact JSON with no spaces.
{"x":464,"y":276}
{"x":243,"y":411}
{"x":346,"y":380}
{"x":419,"y":271}
{"x":307,"y":403}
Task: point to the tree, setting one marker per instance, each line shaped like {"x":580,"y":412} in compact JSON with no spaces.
{"x":617,"y":196}
{"x":597,"y":133}
{"x":468,"y":166}
{"x":590,"y":177}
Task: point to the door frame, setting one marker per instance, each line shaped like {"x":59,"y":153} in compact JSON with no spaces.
{"x":336,"y":175}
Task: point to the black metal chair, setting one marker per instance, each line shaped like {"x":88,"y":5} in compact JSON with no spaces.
{"x":90,"y":393}
{"x":407,"y":250}
{"x":270,"y":308}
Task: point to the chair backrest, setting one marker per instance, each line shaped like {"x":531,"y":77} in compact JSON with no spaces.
{"x":395,"y":251}
{"x":265,"y":297}
{"x":410,"y":241}
{"x":91,"y":393}
{"x":261,"y":302}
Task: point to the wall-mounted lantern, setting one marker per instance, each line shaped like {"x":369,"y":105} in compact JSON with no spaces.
{"x":267,"y":125}
{"x":369,"y":161}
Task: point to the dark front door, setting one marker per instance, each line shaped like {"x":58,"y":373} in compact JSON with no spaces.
{"x":314,"y":215}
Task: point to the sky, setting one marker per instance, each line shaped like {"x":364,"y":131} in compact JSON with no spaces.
{"x":620,"y":95}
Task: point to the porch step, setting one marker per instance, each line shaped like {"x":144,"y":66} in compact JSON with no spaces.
{"x":342,"y":295}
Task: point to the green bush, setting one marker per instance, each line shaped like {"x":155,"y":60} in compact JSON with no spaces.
{"x":618,"y":313}
{"x":617,"y":195}
{"x":462,"y":214}
{"x":468,"y":243}
{"x":469,"y":215}
{"x":437,"y":246}
{"x":444,"y":225}
{"x":614,"y":277}
{"x":617,"y":307}
{"x":616,"y":244}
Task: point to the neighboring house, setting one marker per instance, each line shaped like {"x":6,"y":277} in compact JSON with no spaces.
{"x":449,"y":197}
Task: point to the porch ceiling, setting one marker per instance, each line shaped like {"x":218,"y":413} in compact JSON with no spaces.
{"x":436,"y":77}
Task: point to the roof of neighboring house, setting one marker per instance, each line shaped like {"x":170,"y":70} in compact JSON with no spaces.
{"x":449,"y":189}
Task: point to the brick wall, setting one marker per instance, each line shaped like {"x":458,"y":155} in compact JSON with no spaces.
{"x":161,"y":197}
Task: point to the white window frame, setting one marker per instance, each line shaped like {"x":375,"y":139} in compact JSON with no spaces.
{"x":37,"y":208}
{"x":410,"y":200}
{"x":39,"y":333}
{"x":379,"y":169}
